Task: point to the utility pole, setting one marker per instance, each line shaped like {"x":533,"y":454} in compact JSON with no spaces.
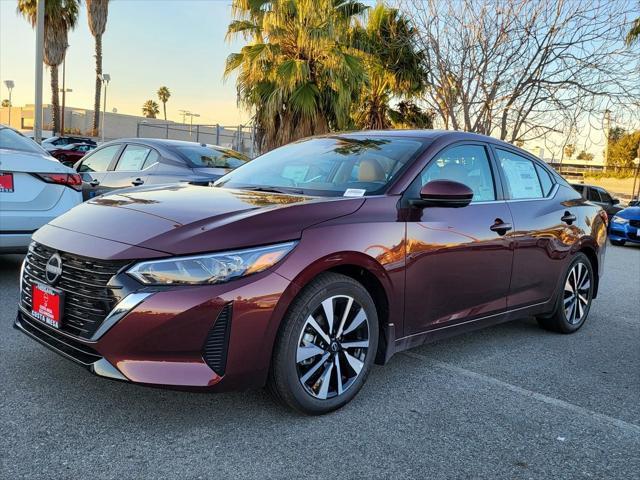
{"x":37,"y":113}
{"x":105,"y":77}
{"x":607,"y":127}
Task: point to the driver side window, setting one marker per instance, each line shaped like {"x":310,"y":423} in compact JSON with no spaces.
{"x":467,"y":164}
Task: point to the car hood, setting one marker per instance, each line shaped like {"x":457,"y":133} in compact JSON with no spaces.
{"x":20,"y":161}
{"x":183,"y":219}
{"x":632,"y":213}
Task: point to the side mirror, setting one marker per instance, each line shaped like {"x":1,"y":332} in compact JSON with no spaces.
{"x":615,"y":201}
{"x":445,"y":194}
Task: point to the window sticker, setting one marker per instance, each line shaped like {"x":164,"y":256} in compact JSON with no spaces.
{"x":354,"y":192}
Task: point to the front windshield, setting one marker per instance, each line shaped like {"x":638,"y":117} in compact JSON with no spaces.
{"x":12,"y":140}
{"x":210,"y":157}
{"x":328,"y":166}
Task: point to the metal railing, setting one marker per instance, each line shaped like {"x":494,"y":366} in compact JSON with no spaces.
{"x":237,"y":137}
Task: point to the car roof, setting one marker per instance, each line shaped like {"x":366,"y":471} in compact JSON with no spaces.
{"x":164,"y":142}
{"x":587,"y":185}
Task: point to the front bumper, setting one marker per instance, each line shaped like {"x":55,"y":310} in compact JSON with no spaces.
{"x":624,"y":233}
{"x":217,"y":337}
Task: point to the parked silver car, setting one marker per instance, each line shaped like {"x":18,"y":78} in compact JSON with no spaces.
{"x":148,"y":161}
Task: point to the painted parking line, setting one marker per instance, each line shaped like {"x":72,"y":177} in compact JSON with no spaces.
{"x":585,"y":412}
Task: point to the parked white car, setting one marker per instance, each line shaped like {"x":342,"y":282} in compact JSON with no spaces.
{"x":35,"y":188}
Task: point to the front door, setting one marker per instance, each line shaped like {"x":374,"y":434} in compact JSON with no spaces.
{"x":458,"y":259}
{"x":93,"y":169}
{"x":131,"y":169}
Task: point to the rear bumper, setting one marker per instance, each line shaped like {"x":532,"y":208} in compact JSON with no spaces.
{"x":15,"y":242}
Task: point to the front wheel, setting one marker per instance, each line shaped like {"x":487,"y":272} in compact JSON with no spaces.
{"x":326,"y":345}
{"x":574,"y":299}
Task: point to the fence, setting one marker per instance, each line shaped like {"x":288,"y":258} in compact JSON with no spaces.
{"x":240,"y":138}
{"x":578,"y":172}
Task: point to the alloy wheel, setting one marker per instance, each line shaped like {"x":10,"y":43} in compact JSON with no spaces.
{"x":332,"y":347}
{"x":577,"y":293}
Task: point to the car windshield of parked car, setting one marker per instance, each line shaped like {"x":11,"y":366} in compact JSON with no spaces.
{"x":328,"y":166}
{"x":12,"y":140}
{"x":203,"y":156}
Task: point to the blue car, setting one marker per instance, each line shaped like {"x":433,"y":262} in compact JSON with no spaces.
{"x":625,"y":226}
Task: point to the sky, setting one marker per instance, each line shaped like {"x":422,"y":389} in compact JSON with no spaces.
{"x":147,"y":44}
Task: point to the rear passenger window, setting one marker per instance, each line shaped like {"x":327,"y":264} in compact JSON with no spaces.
{"x":132,"y":158}
{"x":545,"y":180}
{"x":152,"y":158}
{"x":593,"y":195}
{"x":521,"y":176}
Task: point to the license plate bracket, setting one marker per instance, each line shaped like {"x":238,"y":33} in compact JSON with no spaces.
{"x":46,"y":304}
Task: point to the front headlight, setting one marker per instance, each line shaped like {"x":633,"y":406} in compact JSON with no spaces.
{"x":209,"y":268}
{"x":619,"y":220}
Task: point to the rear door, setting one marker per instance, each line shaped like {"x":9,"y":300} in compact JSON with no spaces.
{"x":132,"y":167}
{"x":543,"y":221}
{"x":93,"y":168}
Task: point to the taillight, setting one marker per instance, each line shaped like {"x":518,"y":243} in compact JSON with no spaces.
{"x":72,"y":180}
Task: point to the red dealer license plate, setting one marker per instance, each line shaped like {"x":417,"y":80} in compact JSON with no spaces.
{"x":46,"y":304}
{"x":6,"y":182}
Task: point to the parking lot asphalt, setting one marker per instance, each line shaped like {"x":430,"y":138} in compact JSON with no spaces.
{"x":512,"y":402}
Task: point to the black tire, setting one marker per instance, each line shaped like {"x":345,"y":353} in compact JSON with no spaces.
{"x":559,"y":320}
{"x":617,"y":243}
{"x":286,"y":378}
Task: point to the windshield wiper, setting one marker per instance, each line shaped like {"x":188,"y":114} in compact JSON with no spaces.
{"x":275,"y":189}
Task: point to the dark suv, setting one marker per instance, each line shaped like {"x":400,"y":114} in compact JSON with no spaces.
{"x":599,"y":196}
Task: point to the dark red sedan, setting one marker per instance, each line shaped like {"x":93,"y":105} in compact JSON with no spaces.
{"x":301,"y":269}
{"x":70,"y":154}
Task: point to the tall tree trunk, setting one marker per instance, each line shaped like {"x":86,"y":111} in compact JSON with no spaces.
{"x":164,"y":107}
{"x":96,"y":103}
{"x":55,"y":100}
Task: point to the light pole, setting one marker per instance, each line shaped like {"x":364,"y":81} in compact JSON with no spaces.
{"x":106,"y":78}
{"x":191,"y":123}
{"x":37,"y":113}
{"x":184,"y":113}
{"x":636,"y":162}
{"x":10,"y":85}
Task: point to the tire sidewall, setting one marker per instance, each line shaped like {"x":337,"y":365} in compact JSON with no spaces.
{"x":303,"y":400}
{"x":566,"y":325}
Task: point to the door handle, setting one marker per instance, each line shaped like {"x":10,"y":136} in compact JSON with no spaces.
{"x":137,"y":181}
{"x":94,"y":183}
{"x":500,"y":227}
{"x":568,"y":218}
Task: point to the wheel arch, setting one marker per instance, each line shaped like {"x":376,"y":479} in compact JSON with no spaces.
{"x":591,"y":254}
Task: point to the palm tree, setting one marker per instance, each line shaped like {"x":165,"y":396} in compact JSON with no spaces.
{"x":97,"y":11}
{"x":393,"y":67}
{"x":634,"y":33}
{"x":5,"y":103}
{"x":60,"y":17}
{"x":150,"y":109}
{"x":163,"y":96}
{"x":298,"y":73}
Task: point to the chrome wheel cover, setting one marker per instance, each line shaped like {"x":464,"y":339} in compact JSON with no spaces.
{"x":332,"y":347}
{"x":577,"y":293}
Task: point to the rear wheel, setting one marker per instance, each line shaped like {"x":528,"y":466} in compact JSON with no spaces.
{"x":574,"y":299}
{"x":617,"y":243}
{"x":326,"y":345}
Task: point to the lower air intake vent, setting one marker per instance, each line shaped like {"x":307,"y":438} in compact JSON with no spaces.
{"x":217,"y":344}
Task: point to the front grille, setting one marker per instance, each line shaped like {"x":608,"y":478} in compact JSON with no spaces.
{"x":216,"y":346}
{"x":633,"y":236}
{"x":634,"y":223}
{"x":87,"y":300}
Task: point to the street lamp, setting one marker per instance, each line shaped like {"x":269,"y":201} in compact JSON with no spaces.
{"x":190,"y":114}
{"x":64,"y":92}
{"x":10,"y":85}
{"x":106,"y":78}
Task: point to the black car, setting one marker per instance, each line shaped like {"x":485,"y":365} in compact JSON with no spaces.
{"x":137,"y":161}
{"x":599,"y":196}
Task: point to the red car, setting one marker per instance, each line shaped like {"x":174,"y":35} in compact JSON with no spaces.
{"x":302,"y":268}
{"x":70,"y":154}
